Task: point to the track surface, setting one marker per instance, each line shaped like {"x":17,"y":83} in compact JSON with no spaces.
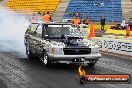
{"x":18,"y":72}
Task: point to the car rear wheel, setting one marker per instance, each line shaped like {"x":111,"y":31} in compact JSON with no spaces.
{"x":45,"y":59}
{"x":91,"y":64}
{"x":29,"y":53}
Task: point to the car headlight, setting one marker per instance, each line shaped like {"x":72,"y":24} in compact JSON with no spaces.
{"x":95,"y":50}
{"x":53,"y":51}
{"x":57,"y":51}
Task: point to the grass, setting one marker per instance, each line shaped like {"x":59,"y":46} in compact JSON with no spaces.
{"x":108,"y":30}
{"x":97,"y":27}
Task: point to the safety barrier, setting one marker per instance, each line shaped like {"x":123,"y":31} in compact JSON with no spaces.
{"x":117,"y":46}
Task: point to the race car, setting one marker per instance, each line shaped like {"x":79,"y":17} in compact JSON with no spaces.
{"x":60,"y":43}
{"x":118,"y":27}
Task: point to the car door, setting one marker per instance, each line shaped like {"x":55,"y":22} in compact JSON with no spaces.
{"x":38,"y":40}
{"x":30,"y":36}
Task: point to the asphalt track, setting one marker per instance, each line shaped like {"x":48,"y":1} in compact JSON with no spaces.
{"x":18,"y":72}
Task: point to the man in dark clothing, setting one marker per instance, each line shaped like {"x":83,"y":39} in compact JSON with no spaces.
{"x":102,"y":22}
{"x":130,"y":23}
{"x":86,"y":21}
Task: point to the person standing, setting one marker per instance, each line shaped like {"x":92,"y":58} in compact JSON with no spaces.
{"x":102,"y":22}
{"x":86,"y":21}
{"x":75,"y":21}
{"x":47,"y":18}
{"x":130,"y":23}
{"x":38,"y":17}
{"x":33,"y":18}
{"x":123,"y":24}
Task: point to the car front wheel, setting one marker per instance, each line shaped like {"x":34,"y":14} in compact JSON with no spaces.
{"x":45,"y":59}
{"x":29,"y":53}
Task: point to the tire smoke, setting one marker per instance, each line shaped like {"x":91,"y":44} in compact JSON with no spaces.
{"x":12,"y":30}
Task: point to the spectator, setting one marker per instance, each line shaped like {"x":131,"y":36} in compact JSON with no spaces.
{"x":130,"y":23}
{"x":86,"y":21}
{"x":102,"y":22}
{"x":39,"y":17}
{"x":33,"y":18}
{"x":123,"y":24}
{"x":43,"y":13}
{"x":76,"y":21}
{"x":47,"y":18}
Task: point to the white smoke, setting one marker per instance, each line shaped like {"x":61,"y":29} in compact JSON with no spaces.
{"x":12,"y":29}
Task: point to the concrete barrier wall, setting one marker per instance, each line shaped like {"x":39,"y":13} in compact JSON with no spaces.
{"x":116,"y":46}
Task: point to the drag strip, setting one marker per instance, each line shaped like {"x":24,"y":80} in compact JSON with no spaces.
{"x":18,"y":72}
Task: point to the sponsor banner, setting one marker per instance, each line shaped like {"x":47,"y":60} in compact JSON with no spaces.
{"x":103,"y":78}
{"x":114,"y":45}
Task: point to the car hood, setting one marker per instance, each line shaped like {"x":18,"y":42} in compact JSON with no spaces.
{"x":85,"y":43}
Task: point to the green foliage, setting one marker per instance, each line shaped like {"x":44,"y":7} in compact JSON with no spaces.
{"x":1,"y":0}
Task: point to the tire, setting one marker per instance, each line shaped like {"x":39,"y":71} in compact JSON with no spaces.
{"x":45,"y":59}
{"x":91,"y":65}
{"x":29,"y":53}
{"x":82,"y":80}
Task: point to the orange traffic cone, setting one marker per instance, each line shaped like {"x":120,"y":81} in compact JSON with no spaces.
{"x":92,"y":34}
{"x":128,"y":31}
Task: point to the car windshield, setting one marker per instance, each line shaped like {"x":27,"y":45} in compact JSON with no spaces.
{"x":57,"y":31}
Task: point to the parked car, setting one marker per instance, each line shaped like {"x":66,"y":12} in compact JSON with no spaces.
{"x":118,"y":27}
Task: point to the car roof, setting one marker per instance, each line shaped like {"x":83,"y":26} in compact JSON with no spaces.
{"x":54,"y":23}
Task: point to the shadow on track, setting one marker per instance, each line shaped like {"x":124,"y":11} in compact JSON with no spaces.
{"x":63,"y":67}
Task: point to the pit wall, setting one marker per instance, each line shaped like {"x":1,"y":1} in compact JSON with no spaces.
{"x":116,"y":46}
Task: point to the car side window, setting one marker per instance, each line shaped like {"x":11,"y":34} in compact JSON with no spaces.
{"x":39,"y":31}
{"x":45,"y":31}
{"x":28,"y":29}
{"x":32,"y":28}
